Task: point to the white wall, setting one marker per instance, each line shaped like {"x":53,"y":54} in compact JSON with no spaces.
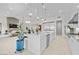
{"x":12,"y":20}
{"x":3,"y":20}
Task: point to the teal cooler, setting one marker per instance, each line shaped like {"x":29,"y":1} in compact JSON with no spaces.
{"x":20,"y":45}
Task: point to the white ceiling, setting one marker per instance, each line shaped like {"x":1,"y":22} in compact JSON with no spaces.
{"x":22,"y":10}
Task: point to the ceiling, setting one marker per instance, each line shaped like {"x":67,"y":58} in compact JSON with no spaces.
{"x":38,"y":11}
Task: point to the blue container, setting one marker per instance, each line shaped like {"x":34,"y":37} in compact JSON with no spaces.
{"x":20,"y":45}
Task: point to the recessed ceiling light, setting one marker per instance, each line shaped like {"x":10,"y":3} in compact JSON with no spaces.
{"x":45,"y":21}
{"x":30,"y":14}
{"x":77,"y":6}
{"x":42,"y":19}
{"x":27,"y":22}
{"x":43,"y":5}
{"x":38,"y":17}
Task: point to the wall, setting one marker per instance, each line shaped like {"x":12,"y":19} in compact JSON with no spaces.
{"x":3,"y":21}
{"x":12,"y":20}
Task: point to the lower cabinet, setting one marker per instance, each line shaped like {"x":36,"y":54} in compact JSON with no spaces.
{"x":74,"y":46}
{"x":37,"y":43}
{"x":34,"y":44}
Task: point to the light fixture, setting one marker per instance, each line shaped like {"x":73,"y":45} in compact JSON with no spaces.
{"x":43,"y":5}
{"x":42,"y":19}
{"x":30,"y":14}
{"x":37,"y":17}
{"x":45,"y":21}
{"x":27,"y":22}
{"x":77,"y":6}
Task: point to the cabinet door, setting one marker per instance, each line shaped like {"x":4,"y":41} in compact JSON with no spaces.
{"x":43,"y":41}
{"x":74,"y":46}
{"x":47,"y":40}
{"x":34,"y":44}
{"x":30,"y":43}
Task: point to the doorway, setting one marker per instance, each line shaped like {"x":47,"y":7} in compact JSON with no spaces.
{"x":59,"y":27}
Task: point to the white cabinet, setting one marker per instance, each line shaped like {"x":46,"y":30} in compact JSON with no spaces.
{"x":37,"y":43}
{"x":74,"y":46}
{"x":50,"y":34}
{"x":34,"y":43}
{"x":49,"y":28}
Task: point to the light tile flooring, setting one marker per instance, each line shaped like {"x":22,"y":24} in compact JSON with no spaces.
{"x":57,"y":47}
{"x":8,"y":47}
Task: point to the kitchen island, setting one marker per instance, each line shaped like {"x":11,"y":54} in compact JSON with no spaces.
{"x":37,"y":43}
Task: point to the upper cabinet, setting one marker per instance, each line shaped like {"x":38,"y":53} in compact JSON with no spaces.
{"x":73,"y":24}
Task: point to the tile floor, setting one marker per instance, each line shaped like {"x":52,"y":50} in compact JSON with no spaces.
{"x":8,"y":47}
{"x":57,"y":47}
